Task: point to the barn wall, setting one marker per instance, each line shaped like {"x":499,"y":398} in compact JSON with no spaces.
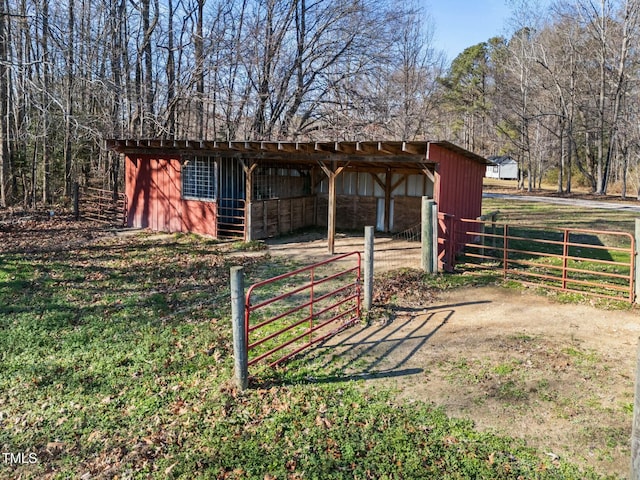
{"x":458,"y":189}
{"x":355,"y":213}
{"x":352,"y":212}
{"x":278,"y":216}
{"x":153,"y":188}
{"x":407,"y":213}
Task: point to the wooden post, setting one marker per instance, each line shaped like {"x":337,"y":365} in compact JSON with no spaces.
{"x":331,"y":174}
{"x":387,"y":201}
{"x":248,"y":201}
{"x":635,"y":429}
{"x":636,"y":279}
{"x":240,"y":355}
{"x":368,"y":267}
{"x":331,"y":220}
{"x":427,"y":235}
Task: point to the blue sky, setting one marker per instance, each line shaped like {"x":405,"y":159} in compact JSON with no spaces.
{"x":462,"y":23}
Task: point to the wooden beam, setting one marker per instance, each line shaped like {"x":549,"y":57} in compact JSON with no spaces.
{"x":430,"y":175}
{"x":387,"y":201}
{"x":389,"y":148}
{"x":325,"y":169}
{"x":248,"y":200}
{"x":377,"y":179}
{"x":409,"y":148}
{"x":331,"y":218}
{"x":397,"y":184}
{"x":331,"y":173}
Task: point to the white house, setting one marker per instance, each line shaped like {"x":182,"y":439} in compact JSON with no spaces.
{"x":504,"y":168}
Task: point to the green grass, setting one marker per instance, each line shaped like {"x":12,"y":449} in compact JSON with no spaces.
{"x":117,"y":361}
{"x":536,"y":234}
{"x":523,"y":212}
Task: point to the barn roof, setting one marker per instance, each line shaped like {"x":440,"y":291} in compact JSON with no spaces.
{"x":397,"y":154}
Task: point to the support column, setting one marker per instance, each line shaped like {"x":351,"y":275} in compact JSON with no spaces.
{"x":331,"y":218}
{"x":248,"y":198}
{"x":332,"y":174}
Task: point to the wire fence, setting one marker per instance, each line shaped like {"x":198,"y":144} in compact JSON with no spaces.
{"x":397,"y":252}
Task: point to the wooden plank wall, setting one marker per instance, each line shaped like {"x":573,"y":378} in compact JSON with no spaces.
{"x":406,"y":213}
{"x":354,"y":213}
{"x":270,"y":218}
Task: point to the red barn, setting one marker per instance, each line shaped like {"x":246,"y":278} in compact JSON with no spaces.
{"x":261,"y":189}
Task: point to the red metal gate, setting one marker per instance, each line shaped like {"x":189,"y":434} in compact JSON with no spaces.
{"x":291,"y":312}
{"x":590,"y":262}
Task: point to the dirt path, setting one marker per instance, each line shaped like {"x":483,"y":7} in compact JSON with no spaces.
{"x":577,"y":202}
{"x":560,"y":376}
{"x":311,"y":247}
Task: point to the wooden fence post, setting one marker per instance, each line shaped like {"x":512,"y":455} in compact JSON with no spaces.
{"x":635,"y":429}
{"x":240,"y":356}
{"x":368,"y":268}
{"x":428,"y":235}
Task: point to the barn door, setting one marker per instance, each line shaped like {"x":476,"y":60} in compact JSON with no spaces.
{"x":231,"y":199}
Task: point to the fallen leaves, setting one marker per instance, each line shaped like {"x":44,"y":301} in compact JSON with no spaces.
{"x":405,"y":285}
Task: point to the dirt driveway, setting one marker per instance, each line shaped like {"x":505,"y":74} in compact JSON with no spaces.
{"x":560,"y":376}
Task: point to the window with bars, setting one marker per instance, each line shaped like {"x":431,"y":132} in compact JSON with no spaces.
{"x":199,"y":178}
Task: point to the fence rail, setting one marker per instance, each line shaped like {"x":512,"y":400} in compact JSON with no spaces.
{"x":592,"y":262}
{"x":100,"y":205}
{"x":291,"y":312}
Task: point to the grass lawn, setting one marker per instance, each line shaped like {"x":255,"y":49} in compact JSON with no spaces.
{"x":560,"y":216}
{"x":116,"y":362}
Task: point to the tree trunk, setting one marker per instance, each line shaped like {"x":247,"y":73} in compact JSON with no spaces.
{"x":4,"y":94}
{"x":199,"y":52}
{"x":171,"y":76}
{"x":46,"y":68}
{"x":68,"y":184}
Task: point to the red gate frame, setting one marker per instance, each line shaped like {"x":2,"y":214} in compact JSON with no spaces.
{"x":310,"y":304}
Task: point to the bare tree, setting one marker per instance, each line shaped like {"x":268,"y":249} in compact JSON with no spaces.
{"x":5,"y":166}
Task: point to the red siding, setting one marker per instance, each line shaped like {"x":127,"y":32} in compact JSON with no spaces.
{"x":153,"y":188}
{"x":199,"y":217}
{"x":458,"y":189}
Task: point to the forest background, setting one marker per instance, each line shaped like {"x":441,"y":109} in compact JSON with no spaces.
{"x":559,"y":92}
